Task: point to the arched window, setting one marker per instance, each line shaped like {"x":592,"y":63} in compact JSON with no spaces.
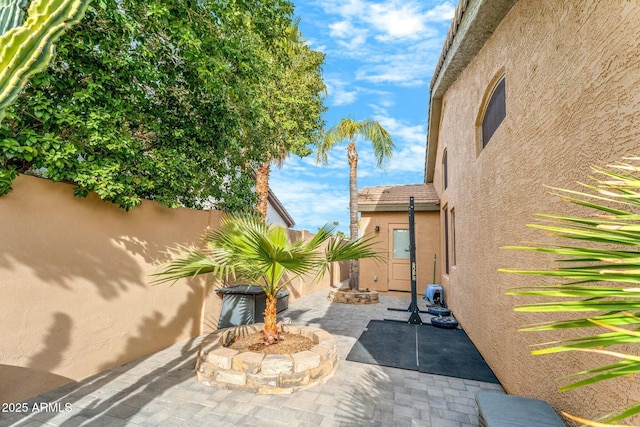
{"x":495,"y":111}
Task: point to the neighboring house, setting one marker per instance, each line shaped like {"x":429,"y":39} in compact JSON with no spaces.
{"x":384,"y":214}
{"x":276,"y":212}
{"x":527,"y":93}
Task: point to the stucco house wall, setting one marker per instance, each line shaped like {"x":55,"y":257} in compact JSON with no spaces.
{"x":384,"y":209}
{"x":375,"y":274}
{"x":572,"y":100}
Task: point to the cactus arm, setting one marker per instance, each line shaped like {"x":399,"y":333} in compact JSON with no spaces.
{"x":11,"y":14}
{"x":28,"y":49}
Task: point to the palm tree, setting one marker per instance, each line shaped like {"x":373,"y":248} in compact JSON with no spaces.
{"x":349,"y":129}
{"x":246,"y":248}
{"x":295,"y":106}
{"x":593,"y":275}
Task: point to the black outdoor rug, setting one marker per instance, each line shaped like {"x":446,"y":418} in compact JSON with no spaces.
{"x":423,"y":348}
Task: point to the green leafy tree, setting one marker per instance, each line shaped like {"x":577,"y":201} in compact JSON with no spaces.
{"x":160,"y":100}
{"x":27,"y":47}
{"x":246,"y":248}
{"x":348,"y":130}
{"x":296,"y":113}
{"x":599,"y":275}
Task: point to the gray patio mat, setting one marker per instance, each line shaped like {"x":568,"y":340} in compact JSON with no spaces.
{"x":422,"y":348}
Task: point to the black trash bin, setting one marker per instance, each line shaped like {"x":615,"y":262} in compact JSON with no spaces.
{"x":245,"y":304}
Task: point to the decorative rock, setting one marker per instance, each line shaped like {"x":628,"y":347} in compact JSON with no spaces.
{"x":324,"y":351}
{"x":221,"y":358}
{"x":353,"y":297}
{"x":277,"y":364}
{"x":294,"y":380}
{"x":259,"y":381}
{"x":231,"y":377}
{"x":249,"y":362}
{"x":305,"y":361}
{"x":255,"y":372}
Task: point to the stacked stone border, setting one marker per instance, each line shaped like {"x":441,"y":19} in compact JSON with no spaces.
{"x":225,"y":368}
{"x":346,"y":296}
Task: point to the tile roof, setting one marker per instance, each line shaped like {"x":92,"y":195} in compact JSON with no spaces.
{"x":396,"y":197}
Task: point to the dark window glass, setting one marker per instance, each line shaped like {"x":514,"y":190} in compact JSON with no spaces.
{"x":445,"y":172}
{"x":446,"y":241}
{"x":453,"y":237}
{"x":495,"y":113}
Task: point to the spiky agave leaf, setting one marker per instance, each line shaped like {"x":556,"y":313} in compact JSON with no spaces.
{"x":606,"y":251}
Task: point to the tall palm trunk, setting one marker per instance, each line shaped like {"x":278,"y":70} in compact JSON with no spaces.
{"x":352,"y":154}
{"x":270,"y":331}
{"x":262,"y":187}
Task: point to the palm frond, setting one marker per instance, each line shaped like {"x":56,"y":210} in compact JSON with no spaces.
{"x":347,"y":130}
{"x":191,"y":263}
{"x":604,"y":252}
{"x":245,"y":247}
{"x":615,"y":318}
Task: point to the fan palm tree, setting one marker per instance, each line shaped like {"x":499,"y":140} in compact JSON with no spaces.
{"x":347,"y":130}
{"x":600,"y":277}
{"x":245,"y":248}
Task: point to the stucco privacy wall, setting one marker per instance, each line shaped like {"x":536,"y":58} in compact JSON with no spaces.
{"x":427,"y":227}
{"x":75,"y":297}
{"x":572,"y":100}
{"x":74,"y":286}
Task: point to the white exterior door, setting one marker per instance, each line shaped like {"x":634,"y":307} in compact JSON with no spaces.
{"x":399,"y":268}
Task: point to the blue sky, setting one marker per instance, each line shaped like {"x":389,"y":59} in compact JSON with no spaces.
{"x":380,"y":57}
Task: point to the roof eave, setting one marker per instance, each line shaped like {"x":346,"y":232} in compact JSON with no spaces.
{"x":474,"y":22}
{"x":280,"y":209}
{"x":399,"y":207}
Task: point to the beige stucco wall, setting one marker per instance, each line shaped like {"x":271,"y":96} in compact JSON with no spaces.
{"x":573,"y":100}
{"x":427,"y":228}
{"x":75,"y":293}
{"x":75,"y":297}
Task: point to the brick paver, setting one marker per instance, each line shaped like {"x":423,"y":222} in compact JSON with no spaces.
{"x":161,"y":389}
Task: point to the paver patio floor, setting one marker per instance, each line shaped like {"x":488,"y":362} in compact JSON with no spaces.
{"x":161,"y":389}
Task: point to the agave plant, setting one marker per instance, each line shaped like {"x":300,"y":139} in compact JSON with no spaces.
{"x":599,"y":273}
{"x":245,"y":248}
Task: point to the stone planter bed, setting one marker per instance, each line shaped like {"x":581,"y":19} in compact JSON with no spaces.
{"x":255,"y":372}
{"x":347,"y":296}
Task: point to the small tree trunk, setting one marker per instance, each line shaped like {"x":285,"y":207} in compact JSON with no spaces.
{"x":352,"y":153}
{"x":262,"y":187}
{"x":270,"y":331}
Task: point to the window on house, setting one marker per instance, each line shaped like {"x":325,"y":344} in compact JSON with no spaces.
{"x":495,"y":111}
{"x":445,"y":171}
{"x":447,"y":263}
{"x":401,"y":243}
{"x":453,"y":237}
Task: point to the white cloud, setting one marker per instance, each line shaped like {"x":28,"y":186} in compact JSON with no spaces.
{"x":403,"y":75}
{"x":390,"y":20}
{"x":338,"y":92}
{"x":396,"y":20}
{"x":442,"y":12}
{"x":313,"y":202}
{"x":340,"y":29}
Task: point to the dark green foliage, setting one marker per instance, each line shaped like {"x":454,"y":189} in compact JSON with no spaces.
{"x":160,"y":100}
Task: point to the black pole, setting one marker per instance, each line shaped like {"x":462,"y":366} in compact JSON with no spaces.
{"x":413,"y":307}
{"x":415,"y":316}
